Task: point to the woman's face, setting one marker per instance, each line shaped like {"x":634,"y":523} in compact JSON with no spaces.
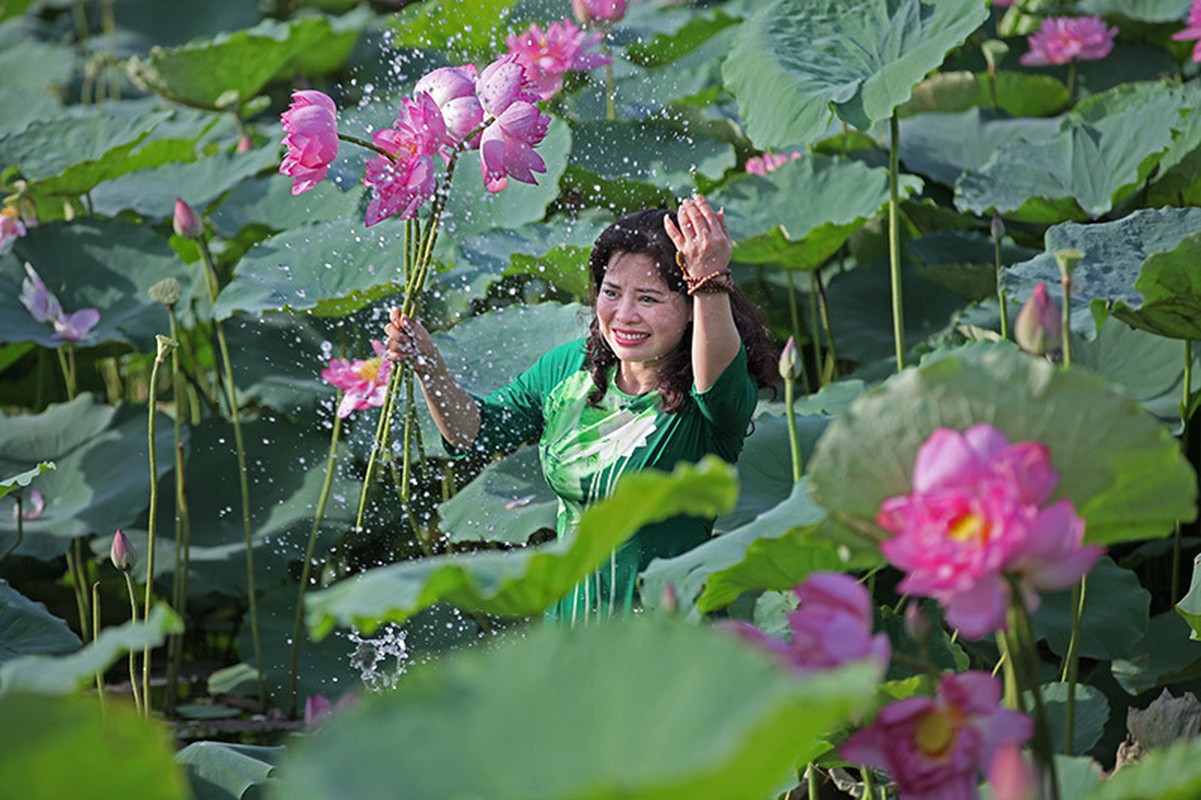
{"x":641,"y":319}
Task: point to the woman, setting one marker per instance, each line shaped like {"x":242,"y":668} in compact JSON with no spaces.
{"x":669,"y":372}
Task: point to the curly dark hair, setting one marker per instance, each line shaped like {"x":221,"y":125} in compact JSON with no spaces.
{"x":642,"y":233}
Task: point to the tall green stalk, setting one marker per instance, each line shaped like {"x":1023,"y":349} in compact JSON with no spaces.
{"x":231,"y":397}
{"x":307,"y":569}
{"x":894,"y":238}
{"x":1022,"y":651}
{"x":164,"y":346}
{"x":183,"y":528}
{"x":95,"y":636}
{"x":1186,"y":404}
{"x":133,"y":658}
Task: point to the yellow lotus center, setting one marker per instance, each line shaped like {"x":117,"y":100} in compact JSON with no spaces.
{"x":969,"y":528}
{"x":369,"y":369}
{"x":935,"y":733}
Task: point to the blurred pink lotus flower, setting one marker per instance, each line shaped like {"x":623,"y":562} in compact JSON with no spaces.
{"x":1192,"y":31}
{"x":43,"y":306}
{"x":516,"y":126}
{"x":1064,"y":39}
{"x":832,"y":626}
{"x":11,"y":228}
{"x":453,"y":90}
{"x":399,"y":187}
{"x":1038,"y":328}
{"x":548,"y":55}
{"x":974,"y":517}
{"x":590,"y":11}
{"x":317,"y":707}
{"x":32,"y":507}
{"x":122,"y":554}
{"x":38,"y":300}
{"x":364,"y":382}
{"x":185,"y":221}
{"x":935,"y":748}
{"x":311,"y":128}
{"x":1010,"y":774}
{"x":770,"y":162}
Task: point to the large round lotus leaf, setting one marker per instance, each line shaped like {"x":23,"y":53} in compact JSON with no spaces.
{"x":152,"y":192}
{"x":107,"y":264}
{"x":527,"y":581}
{"x":1116,"y":615}
{"x":1170,"y":284}
{"x":963,"y":261}
{"x":228,"y":70}
{"x":1141,"y":10}
{"x":156,"y":23}
{"x":221,"y":770}
{"x":945,"y":145}
{"x":113,"y":752}
{"x":465,"y":33}
{"x":507,"y":502}
{"x":269,"y":201}
{"x":1114,"y":253}
{"x":1101,"y":155}
{"x":27,"y":628}
{"x":800,"y":214}
{"x":795,"y":60}
{"x":101,"y":482}
{"x":34,"y":64}
{"x":669,"y":711}
{"x":1120,"y":468}
{"x":1017,"y":94}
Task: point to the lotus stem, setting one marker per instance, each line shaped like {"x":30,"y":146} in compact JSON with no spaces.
{"x":165,"y":346}
{"x":67,"y":364}
{"x":183,"y":528}
{"x":794,"y":444}
{"x":1071,"y":661}
{"x":894,"y":238}
{"x":133,"y":658}
{"x":869,"y":788}
{"x":1066,"y":280}
{"x":231,"y":396}
{"x":831,"y":349}
{"x":1022,"y":652}
{"x":306,"y":570}
{"x":364,"y":143}
{"x":610,"y":86}
{"x":1001,"y":299}
{"x":78,"y":582}
{"x":1186,"y":402}
{"x":20,"y":498}
{"x":816,"y":334}
{"x":811,"y":781}
{"x":95,"y":636}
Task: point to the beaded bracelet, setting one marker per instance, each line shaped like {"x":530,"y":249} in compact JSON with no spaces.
{"x":713,"y":283}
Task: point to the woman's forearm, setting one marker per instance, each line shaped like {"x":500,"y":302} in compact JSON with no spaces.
{"x":455,"y":412}
{"x":715,"y":339}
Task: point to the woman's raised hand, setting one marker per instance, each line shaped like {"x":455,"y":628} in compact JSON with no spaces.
{"x":702,"y":238}
{"x":408,"y":339}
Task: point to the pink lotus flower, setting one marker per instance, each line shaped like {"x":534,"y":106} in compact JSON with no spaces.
{"x":401,"y":184}
{"x":33,"y":507}
{"x":516,"y":127}
{"x":453,"y":90}
{"x":364,"y":382}
{"x":769,"y":162}
{"x":77,"y":325}
{"x":11,"y":228}
{"x":548,"y":55}
{"x":1064,"y":39}
{"x":935,"y":748}
{"x":185,"y":221}
{"x":122,"y":554}
{"x":318,"y":708}
{"x":591,"y":11}
{"x":43,"y":306}
{"x":311,"y":126}
{"x":1010,"y":775}
{"x":976,"y":516}
{"x":1192,"y":32}
{"x":1039,"y":327}
{"x":832,"y":626}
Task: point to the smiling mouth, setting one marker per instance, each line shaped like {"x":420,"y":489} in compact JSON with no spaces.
{"x":629,"y":338}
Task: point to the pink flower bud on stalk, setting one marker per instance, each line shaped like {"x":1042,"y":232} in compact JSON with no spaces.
{"x":790,"y":361}
{"x":311,"y":128}
{"x":997,"y":228}
{"x":1038,"y":329}
{"x":33,"y":508}
{"x":588,"y":12}
{"x":186,"y":221}
{"x":123,"y":556}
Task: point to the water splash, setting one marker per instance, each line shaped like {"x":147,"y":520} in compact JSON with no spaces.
{"x":381,"y":661}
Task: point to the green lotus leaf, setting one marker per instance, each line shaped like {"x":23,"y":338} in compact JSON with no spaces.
{"x":523,"y":582}
{"x":1017,"y":94}
{"x":944,"y":146}
{"x":27,"y":628}
{"x":147,"y":22}
{"x":152,"y":192}
{"x":1092,"y":712}
{"x":1121,"y":469}
{"x":507,"y":502}
{"x":115,"y":750}
{"x":23,"y":479}
{"x":790,"y":69}
{"x":85,"y":494}
{"x":222,"y":770}
{"x":1102,"y":154}
{"x":1166,"y":655}
{"x":1116,"y":615}
{"x":1170,"y":284}
{"x":1141,"y":10}
{"x":964,"y":262}
{"x":268,"y":201}
{"x":802,"y":213}
{"x":1170,"y":774}
{"x":672,"y":710}
{"x":1189,"y":606}
{"x":227,"y":71}
{"x":464,"y":33}
{"x":48,"y":674}
{"x":107,"y":264}
{"x":664,"y":48}
{"x":1114,"y":254}
{"x":34,"y":65}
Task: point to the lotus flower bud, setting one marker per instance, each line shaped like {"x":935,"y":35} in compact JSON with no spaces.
{"x":790,"y":361}
{"x":123,"y":555}
{"x":1037,"y":329}
{"x":669,"y":601}
{"x":997,"y":229}
{"x":167,"y":292}
{"x":1068,"y":260}
{"x":917,"y":625}
{"x":187,"y":223}
{"x":245,"y":144}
